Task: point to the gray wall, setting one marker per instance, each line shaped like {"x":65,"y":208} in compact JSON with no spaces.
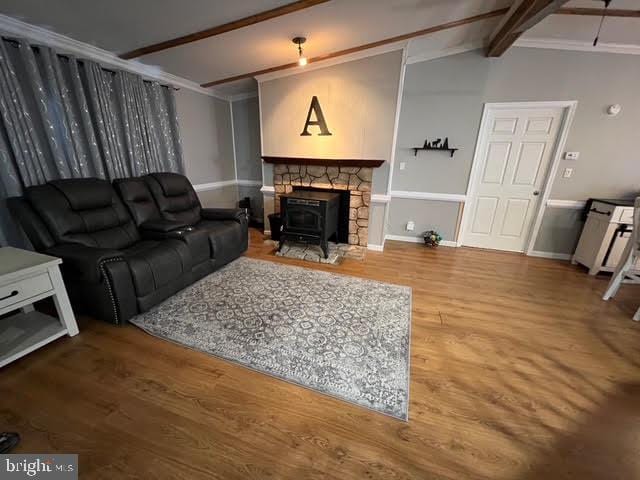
{"x":358,"y":100}
{"x":445,"y":97}
{"x":207,"y":144}
{"x":246,"y":130}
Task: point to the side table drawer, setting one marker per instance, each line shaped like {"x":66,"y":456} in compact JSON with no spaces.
{"x":24,"y":289}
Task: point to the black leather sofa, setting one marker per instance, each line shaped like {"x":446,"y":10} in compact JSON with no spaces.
{"x":125,"y":249}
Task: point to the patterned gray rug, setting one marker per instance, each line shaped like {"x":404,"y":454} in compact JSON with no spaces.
{"x":343,"y":336}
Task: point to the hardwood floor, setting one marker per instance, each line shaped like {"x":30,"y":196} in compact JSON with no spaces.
{"x":519,"y":371}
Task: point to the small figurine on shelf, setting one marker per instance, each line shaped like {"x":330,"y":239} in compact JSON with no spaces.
{"x":431,"y":238}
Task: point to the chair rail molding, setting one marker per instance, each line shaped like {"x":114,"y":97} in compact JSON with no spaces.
{"x":268,"y":190}
{"x":203,"y":187}
{"x":573,"y":204}
{"x":442,"y":197}
{"x":558,"y":44}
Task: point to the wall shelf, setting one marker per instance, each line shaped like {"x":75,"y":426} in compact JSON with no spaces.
{"x":437,"y":145}
{"x":439,"y":149}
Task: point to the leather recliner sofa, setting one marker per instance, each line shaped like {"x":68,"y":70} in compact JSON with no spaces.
{"x":117,"y":260}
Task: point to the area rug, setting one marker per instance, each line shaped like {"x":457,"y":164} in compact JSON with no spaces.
{"x":343,"y":336}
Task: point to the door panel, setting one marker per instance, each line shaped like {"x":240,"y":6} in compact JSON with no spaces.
{"x":528,"y":163}
{"x":484,"y":215}
{"x":505,"y":125}
{"x":514,"y":216}
{"x":497,"y":158}
{"x":518,"y":145}
{"x":539,"y":125}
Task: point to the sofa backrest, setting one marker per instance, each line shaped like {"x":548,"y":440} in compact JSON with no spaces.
{"x":175,"y":197}
{"x":137,"y":197}
{"x":85,"y":211}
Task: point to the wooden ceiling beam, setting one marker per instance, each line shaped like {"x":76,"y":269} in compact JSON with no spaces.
{"x":599,"y":12}
{"x":521,"y":16}
{"x":386,"y":41}
{"x":220,"y":29}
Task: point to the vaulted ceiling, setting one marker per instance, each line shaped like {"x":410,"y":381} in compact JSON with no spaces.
{"x":259,"y":43}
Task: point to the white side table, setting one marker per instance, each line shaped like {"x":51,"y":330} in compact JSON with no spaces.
{"x":25,"y":278}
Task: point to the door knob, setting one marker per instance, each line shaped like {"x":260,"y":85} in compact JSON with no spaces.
{"x":536,"y":193}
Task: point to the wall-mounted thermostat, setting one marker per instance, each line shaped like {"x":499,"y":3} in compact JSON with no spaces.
{"x":571,"y":155}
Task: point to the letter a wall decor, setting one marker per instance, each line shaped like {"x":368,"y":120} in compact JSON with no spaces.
{"x":319,"y":121}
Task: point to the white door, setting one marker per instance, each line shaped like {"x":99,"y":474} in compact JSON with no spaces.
{"x":517,"y":147}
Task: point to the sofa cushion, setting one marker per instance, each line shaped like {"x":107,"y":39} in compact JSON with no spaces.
{"x":175,"y":197}
{"x":154,"y":264}
{"x":136,"y":196}
{"x":226,"y":239}
{"x":99,"y":220}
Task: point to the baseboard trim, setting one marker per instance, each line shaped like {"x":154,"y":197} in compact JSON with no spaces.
{"x":552,"y":255}
{"x":403,"y":238}
{"x":375,"y":248}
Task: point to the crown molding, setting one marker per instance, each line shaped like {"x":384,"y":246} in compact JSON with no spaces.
{"x":242,"y":96}
{"x":559,"y":44}
{"x":320,"y":64}
{"x":445,"y":52}
{"x":12,"y":27}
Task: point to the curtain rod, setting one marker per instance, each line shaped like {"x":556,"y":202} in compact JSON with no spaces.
{"x":80,"y":60}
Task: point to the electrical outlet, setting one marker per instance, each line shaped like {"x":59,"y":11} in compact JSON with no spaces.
{"x":411,"y":226}
{"x":567,"y":172}
{"x":403,"y":165}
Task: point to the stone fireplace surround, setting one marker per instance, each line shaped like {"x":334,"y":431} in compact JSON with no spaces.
{"x":357,"y":180}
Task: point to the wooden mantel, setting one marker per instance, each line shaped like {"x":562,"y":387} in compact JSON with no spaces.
{"x":326,"y":162}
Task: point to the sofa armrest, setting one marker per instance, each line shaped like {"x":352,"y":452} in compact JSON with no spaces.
{"x":162,"y":226}
{"x":82,"y":262}
{"x":237,"y":214}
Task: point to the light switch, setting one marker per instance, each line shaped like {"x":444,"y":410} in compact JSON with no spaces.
{"x":403,"y":165}
{"x":571,"y":155}
{"x":567,"y":172}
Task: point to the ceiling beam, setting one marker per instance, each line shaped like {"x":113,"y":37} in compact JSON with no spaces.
{"x":522,"y":15}
{"x":220,"y":29}
{"x":599,"y":12}
{"x":386,"y":41}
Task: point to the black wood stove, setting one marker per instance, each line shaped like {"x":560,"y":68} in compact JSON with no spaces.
{"x":310,"y":217}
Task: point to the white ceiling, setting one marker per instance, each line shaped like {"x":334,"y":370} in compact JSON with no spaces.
{"x":123,"y":25}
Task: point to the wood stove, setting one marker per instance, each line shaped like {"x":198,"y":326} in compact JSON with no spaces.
{"x":309,"y":216}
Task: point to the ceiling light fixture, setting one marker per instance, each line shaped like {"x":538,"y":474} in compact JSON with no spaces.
{"x":302,"y":60}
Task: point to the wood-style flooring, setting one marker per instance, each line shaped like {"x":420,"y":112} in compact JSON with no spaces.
{"x":518,"y":371}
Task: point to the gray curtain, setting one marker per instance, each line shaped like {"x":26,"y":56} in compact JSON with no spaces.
{"x":61,"y":117}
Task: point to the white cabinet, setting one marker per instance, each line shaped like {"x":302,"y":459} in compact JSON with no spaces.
{"x":605,"y":234}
